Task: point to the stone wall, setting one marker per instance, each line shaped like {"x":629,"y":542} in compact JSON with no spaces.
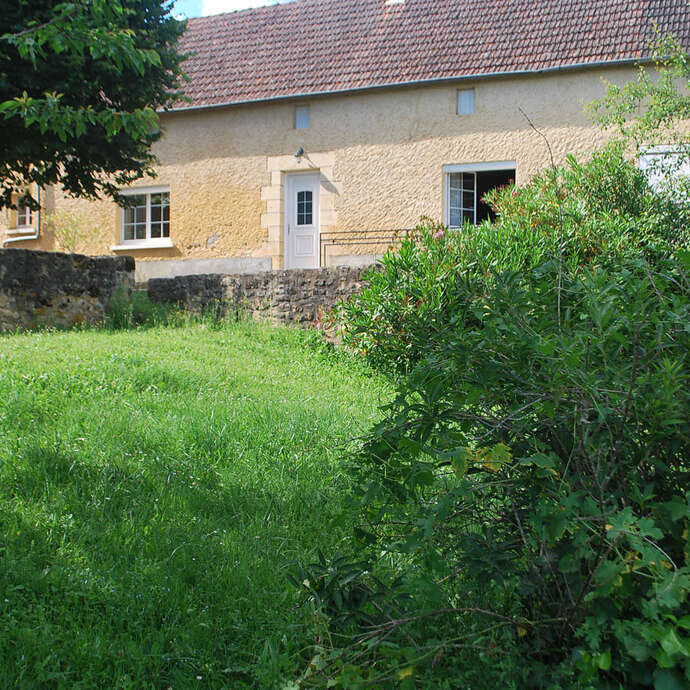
{"x":52,"y":289}
{"x":298,"y":296}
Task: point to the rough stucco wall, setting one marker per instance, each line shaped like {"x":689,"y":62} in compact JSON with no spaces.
{"x":380,"y":154}
{"x":434,"y":136}
{"x":54,"y":289}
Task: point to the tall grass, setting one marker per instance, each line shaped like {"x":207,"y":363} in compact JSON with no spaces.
{"x":155,"y":487}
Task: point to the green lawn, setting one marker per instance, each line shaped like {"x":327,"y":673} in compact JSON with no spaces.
{"x":155,"y":488}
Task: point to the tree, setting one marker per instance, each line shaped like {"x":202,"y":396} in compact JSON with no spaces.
{"x":647,"y":111}
{"x":647,"y":116}
{"x":80,"y":85}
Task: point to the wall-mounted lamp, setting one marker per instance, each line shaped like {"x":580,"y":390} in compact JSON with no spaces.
{"x":298,"y":154}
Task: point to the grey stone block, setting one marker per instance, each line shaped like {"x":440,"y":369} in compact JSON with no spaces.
{"x":148,"y":270}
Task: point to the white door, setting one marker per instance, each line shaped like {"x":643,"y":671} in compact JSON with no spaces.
{"x":302,"y":248}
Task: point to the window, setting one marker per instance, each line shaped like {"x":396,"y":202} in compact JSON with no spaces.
{"x":304,"y":208}
{"x":462,"y":198}
{"x":664,"y":164}
{"x":302,"y":117}
{"x":146,"y":216}
{"x":465,"y":187}
{"x":24,"y":217}
{"x":466,"y":102}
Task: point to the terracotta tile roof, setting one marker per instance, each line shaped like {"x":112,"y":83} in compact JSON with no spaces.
{"x":322,"y":46}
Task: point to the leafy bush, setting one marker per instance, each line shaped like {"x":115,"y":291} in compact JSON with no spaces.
{"x":528,"y":488}
{"x":547,"y":457}
{"x":600,"y":208}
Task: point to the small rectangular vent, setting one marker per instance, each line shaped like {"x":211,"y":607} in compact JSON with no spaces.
{"x":302,"y":119}
{"x":466,"y":102}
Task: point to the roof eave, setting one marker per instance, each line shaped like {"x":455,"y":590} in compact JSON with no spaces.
{"x":623,"y":62}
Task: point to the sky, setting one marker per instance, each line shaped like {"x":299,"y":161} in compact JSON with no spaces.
{"x":198,"y":8}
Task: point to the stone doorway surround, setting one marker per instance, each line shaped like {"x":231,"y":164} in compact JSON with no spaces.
{"x":273,"y":194}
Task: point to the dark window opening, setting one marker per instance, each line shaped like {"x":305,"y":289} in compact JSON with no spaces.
{"x":487,"y":181}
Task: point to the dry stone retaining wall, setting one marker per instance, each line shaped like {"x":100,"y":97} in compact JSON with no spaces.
{"x":298,"y":296}
{"x":52,"y":289}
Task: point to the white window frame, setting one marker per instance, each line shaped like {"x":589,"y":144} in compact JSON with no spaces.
{"x":462,"y":208}
{"x":28,"y":214}
{"x":651,"y":159}
{"x":468,"y":168}
{"x":34,"y":219}
{"x":149,"y":242}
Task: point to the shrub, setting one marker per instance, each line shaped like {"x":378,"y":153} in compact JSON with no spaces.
{"x":527,"y":489}
{"x":545,"y":460}
{"x":120,"y":310}
{"x":600,"y":208}
{"x":71,"y":230}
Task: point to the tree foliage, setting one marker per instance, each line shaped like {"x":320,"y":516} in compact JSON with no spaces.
{"x":80,"y":83}
{"x":647,"y":110}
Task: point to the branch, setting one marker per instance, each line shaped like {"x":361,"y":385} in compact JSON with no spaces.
{"x":11,"y":38}
{"x":554,"y":172}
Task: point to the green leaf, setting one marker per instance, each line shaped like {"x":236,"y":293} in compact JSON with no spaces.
{"x":496,"y":457}
{"x":540,"y":460}
{"x":603,"y":660}
{"x":458,"y":461}
{"x":684,"y":622}
{"x":672,"y":645}
{"x":668,"y":680}
{"x":664,"y":660}
{"x":678,"y":508}
{"x":683,"y":256}
{"x":556,"y":523}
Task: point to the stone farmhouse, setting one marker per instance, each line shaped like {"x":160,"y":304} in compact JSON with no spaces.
{"x":315,"y":128}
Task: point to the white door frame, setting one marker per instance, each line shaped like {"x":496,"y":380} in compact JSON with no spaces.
{"x":290,"y":213}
